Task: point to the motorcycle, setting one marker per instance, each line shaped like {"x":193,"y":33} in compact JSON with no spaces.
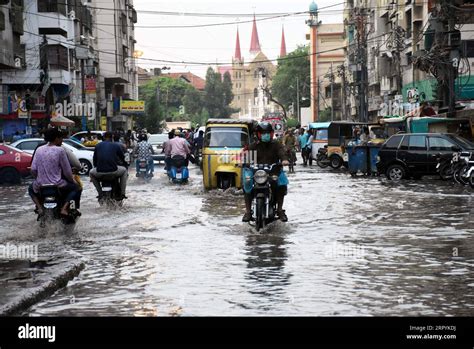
{"x":111,"y":193}
{"x":265,"y":180}
{"x":144,"y":170}
{"x":464,"y":168}
{"x":322,"y":159}
{"x":445,"y":166}
{"x":52,"y":201}
{"x":178,"y":170}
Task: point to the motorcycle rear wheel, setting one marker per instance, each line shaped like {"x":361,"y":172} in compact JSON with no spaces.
{"x":458,"y":175}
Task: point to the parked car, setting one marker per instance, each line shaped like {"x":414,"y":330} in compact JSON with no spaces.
{"x":156,"y":141}
{"x":84,"y":155}
{"x":14,"y":164}
{"x":79,"y":136}
{"x":416,"y":154}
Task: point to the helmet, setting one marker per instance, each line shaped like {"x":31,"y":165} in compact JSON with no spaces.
{"x":264,"y":127}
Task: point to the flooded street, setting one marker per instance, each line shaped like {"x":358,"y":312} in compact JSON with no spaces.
{"x":352,"y":246}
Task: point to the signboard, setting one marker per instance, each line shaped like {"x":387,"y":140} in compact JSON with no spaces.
{"x":90,"y":85}
{"x":132,"y":107}
{"x":103,"y":123}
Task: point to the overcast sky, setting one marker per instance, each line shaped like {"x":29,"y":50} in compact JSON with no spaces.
{"x":217,"y":44}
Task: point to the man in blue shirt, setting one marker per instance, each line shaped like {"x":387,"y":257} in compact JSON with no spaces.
{"x":107,"y":159}
{"x":303,"y":140}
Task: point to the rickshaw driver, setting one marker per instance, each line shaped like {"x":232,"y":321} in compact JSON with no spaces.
{"x":268,"y":152}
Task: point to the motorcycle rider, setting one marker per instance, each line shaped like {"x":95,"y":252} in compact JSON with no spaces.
{"x":268,"y":151}
{"x":107,"y":159}
{"x":144,"y":150}
{"x":178,"y":147}
{"x":50,"y":165}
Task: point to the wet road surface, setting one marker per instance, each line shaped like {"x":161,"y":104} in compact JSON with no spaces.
{"x":352,"y":246}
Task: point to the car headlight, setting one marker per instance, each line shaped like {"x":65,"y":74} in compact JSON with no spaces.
{"x":260,"y":177}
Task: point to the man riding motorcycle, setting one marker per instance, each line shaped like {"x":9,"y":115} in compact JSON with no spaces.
{"x":108,"y":156}
{"x":144,"y":150}
{"x":178,"y":147}
{"x":268,"y":151}
{"x":50,"y":166}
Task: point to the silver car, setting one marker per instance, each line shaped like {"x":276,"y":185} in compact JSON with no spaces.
{"x":157,"y":141}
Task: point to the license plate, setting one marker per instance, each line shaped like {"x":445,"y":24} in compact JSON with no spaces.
{"x":50,"y":205}
{"x":179,"y":176}
{"x":143,"y":170}
{"x":345,"y":157}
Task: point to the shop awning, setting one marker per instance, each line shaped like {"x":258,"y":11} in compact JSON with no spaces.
{"x":61,"y":121}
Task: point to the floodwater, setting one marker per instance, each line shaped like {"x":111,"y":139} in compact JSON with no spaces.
{"x":352,"y":246}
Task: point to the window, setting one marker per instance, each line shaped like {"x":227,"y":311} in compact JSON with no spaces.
{"x":58,"y":57}
{"x":52,"y":6}
{"x":322,"y":135}
{"x":438,"y":143}
{"x":124,"y":23}
{"x":28,"y":145}
{"x":255,"y":93}
{"x":226,"y":137}
{"x":2,"y":20}
{"x":393,"y":142}
{"x":417,"y":143}
{"x":125,"y":56}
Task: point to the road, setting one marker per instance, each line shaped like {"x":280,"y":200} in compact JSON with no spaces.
{"x":352,"y":246}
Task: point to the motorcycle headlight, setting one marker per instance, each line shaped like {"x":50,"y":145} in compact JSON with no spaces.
{"x":260,"y":177}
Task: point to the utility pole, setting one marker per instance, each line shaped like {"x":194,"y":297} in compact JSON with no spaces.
{"x":332,"y":94}
{"x":298,"y":116}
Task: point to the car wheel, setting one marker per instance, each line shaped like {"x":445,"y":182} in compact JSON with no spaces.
{"x":86,"y":166}
{"x":396,"y":172}
{"x":335,"y":161}
{"x":10,"y":176}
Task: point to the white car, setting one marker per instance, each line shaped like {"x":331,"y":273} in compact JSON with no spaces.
{"x":84,"y":155}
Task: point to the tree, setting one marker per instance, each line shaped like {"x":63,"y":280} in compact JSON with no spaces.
{"x":227,"y":89}
{"x":164,"y":99}
{"x":218,"y":94}
{"x":192,"y":101}
{"x":295,"y":65}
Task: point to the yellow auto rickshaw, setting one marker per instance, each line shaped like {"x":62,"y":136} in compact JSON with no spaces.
{"x":224,"y":141}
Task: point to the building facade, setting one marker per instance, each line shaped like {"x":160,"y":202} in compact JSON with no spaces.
{"x":251,"y":80}
{"x":399,"y":55}
{"x":54,"y":63}
{"x":118,"y":79}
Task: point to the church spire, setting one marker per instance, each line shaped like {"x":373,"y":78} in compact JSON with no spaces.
{"x":283,"y":43}
{"x":237,"y":54}
{"x":255,"y":43}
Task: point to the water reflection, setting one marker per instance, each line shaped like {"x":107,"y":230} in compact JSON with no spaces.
{"x":266,"y":255}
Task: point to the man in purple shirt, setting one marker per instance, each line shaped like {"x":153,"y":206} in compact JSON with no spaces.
{"x":50,"y":165}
